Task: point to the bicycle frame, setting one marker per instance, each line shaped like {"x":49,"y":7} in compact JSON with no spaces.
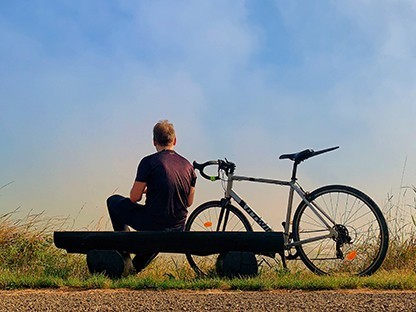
{"x":294,"y":187}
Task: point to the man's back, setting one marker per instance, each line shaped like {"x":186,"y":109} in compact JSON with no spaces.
{"x":169,"y":178}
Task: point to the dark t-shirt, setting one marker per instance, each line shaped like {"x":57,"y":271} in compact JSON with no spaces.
{"x":169,"y":178}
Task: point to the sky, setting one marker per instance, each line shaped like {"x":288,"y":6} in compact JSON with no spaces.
{"x":83,"y":82}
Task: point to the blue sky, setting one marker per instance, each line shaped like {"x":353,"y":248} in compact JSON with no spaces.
{"x":83,"y":82}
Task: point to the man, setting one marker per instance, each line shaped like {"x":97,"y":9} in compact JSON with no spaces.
{"x":168,"y":180}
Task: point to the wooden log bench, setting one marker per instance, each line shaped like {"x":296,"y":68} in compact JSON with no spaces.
{"x":104,"y":249}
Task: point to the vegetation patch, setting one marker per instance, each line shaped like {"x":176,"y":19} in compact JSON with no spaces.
{"x":29,"y":259}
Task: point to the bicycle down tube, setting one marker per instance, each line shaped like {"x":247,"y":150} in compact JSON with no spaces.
{"x":251,"y":212}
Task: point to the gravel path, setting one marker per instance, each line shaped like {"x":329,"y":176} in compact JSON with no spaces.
{"x":124,"y":300}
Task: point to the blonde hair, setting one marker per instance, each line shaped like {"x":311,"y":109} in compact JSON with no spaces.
{"x":164,"y":133}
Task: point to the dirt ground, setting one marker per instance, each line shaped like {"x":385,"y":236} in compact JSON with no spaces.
{"x":215,"y":300}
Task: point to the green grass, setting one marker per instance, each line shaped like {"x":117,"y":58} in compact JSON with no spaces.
{"x":384,"y":280}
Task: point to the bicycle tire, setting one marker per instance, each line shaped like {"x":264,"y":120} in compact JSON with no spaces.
{"x":357,"y":216}
{"x":205,"y":218}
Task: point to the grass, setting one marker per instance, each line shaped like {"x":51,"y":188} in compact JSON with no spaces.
{"x":29,"y":259}
{"x":384,"y":280}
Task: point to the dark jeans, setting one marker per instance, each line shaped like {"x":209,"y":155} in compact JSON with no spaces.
{"x":124,"y":213}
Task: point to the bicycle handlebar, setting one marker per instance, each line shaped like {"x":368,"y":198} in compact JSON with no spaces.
{"x":201,"y":168}
{"x":225,"y":165}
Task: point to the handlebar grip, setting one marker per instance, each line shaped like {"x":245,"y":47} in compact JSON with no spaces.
{"x":201,"y":168}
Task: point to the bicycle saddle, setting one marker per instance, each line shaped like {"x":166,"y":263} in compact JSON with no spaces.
{"x":303,"y":155}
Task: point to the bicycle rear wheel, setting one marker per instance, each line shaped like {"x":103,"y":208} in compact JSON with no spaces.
{"x":206,"y":218}
{"x":361,"y":242}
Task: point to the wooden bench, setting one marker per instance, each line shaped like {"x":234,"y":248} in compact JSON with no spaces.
{"x":104,"y":249}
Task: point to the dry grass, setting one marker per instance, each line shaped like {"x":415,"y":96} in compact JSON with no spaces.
{"x":400,"y":213}
{"x":26,"y":247}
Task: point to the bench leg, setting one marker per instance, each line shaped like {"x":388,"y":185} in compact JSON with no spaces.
{"x":237,"y":264}
{"x":109,"y":262}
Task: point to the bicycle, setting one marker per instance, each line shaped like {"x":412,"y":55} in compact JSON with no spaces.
{"x":335,"y":228}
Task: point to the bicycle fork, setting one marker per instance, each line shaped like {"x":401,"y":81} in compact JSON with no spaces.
{"x":224,"y":215}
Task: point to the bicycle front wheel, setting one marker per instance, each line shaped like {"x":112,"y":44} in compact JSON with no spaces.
{"x":360,"y":241}
{"x":206,"y":217}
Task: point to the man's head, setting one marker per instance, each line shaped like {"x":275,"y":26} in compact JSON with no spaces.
{"x":164,"y":134}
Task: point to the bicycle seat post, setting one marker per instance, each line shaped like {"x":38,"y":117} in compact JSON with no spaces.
{"x":294,"y":171}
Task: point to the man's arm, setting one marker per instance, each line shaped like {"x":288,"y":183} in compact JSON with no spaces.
{"x":191,"y":196}
{"x":137,"y":191}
